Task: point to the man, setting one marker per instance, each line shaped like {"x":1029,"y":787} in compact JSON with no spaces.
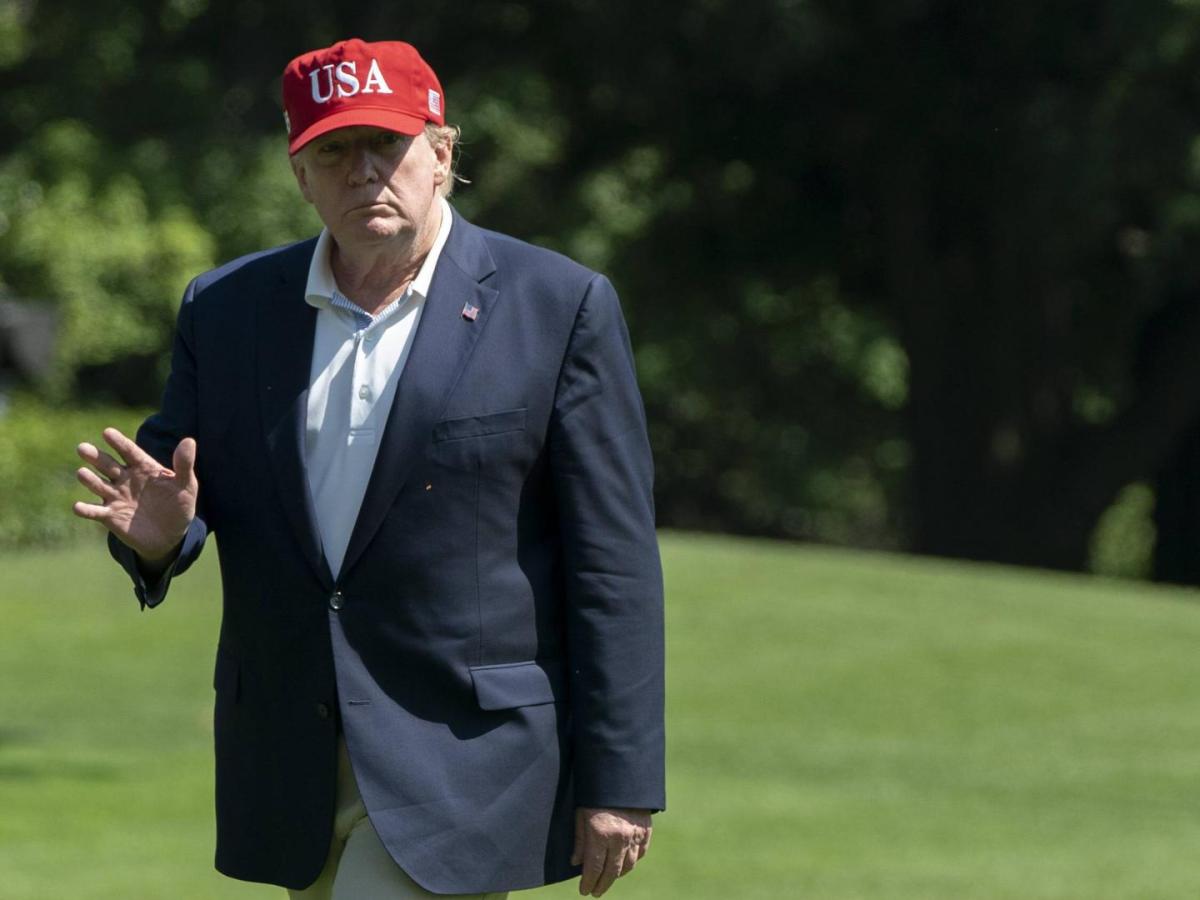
{"x":422,"y":451}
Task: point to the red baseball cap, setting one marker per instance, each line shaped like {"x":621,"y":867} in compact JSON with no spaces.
{"x":385,"y":84}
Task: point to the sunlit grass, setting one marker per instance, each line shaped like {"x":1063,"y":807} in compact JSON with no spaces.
{"x":841,"y":725}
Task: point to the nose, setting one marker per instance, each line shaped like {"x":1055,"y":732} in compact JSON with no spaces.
{"x":362,"y":166}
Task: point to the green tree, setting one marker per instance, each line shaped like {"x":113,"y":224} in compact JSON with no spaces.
{"x":912,"y":274}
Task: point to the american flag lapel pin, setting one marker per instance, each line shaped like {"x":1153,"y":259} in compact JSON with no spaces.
{"x":470,"y":313}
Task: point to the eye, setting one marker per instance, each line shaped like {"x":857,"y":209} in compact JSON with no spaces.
{"x":385,"y":139}
{"x":330,"y":151}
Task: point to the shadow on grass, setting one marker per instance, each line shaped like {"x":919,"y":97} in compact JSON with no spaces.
{"x":71,"y":771}
{"x":34,"y":767}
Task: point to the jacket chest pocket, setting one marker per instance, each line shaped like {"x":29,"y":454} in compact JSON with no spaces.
{"x":487,"y":443}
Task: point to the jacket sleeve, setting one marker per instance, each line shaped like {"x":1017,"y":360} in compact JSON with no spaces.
{"x":603,"y":476}
{"x":159,"y":436}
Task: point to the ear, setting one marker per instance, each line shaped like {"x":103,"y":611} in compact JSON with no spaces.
{"x":301,"y":174}
{"x":441,"y":167}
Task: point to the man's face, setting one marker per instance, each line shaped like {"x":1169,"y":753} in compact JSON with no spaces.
{"x":370,"y":185}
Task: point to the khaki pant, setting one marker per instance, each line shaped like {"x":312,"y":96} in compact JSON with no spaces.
{"x":359,"y":867}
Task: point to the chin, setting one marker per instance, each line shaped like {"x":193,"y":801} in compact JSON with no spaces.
{"x":381,"y":229}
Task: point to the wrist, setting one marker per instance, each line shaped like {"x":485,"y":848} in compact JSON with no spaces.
{"x":157,"y":564}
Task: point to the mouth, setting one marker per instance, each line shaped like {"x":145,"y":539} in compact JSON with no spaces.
{"x":373,"y":206}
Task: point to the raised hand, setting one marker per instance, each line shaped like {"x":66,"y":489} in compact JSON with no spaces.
{"x":608,"y":844}
{"x":146,"y":506}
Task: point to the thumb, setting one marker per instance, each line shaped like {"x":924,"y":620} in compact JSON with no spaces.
{"x":183,"y":461}
{"x":577,"y":853}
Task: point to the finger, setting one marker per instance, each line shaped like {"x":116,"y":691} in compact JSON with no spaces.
{"x":612,"y":869}
{"x":628,"y":860}
{"x":646,"y":843}
{"x":99,"y":460}
{"x":641,"y":845}
{"x":96,"y":484}
{"x":130,"y":452}
{"x":577,"y":852}
{"x":92,"y":511}
{"x":184,"y":460}
{"x":593,"y":866}
{"x":95,"y":456}
{"x":102,"y":462}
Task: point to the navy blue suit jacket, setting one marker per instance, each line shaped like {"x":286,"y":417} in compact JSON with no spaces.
{"x":494,"y":643}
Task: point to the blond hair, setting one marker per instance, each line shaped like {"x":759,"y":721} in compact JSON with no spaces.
{"x":442,"y":135}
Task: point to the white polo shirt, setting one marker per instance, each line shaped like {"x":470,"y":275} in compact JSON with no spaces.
{"x":356,"y":363}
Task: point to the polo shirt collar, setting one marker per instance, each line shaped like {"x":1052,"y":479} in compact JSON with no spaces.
{"x":321,"y":285}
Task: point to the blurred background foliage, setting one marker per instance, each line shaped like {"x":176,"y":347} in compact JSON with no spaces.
{"x":917,"y":275}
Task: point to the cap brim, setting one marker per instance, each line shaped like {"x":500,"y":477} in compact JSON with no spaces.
{"x":390,"y":119}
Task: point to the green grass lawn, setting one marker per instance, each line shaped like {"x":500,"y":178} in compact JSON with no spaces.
{"x":841,"y":725}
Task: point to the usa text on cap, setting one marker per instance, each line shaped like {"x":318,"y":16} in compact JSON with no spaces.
{"x":386,"y":84}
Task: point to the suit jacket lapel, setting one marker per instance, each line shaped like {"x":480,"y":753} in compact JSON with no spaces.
{"x":441,"y":348}
{"x":286,"y":325}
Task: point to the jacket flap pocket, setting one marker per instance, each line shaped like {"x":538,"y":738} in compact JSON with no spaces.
{"x":225,"y":675}
{"x":477,"y":426}
{"x":517,"y":684}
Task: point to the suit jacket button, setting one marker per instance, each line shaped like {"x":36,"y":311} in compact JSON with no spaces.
{"x":323,"y":710}
{"x":337,"y":601}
